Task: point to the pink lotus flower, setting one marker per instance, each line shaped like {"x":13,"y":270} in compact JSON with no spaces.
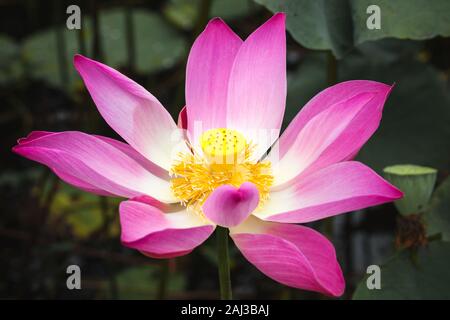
{"x":180,"y":186}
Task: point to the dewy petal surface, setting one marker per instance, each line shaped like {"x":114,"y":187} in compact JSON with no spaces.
{"x":293,"y":255}
{"x":339,"y":188}
{"x":136,"y":115}
{"x":95,"y":164}
{"x":161,"y":234}
{"x":257,"y":85}
{"x":207,"y":74}
{"x":332,"y":127}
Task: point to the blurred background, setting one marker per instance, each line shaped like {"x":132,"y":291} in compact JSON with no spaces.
{"x":46,"y":225}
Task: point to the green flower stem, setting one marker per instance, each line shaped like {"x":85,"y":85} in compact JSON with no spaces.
{"x":223,"y":262}
{"x":163,"y":280}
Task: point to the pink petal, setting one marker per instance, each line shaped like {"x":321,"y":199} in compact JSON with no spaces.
{"x":95,"y":164}
{"x":80,"y":184}
{"x":339,"y":188}
{"x":65,"y":176}
{"x":182,"y":119}
{"x":182,"y":123}
{"x":139,"y":158}
{"x":323,"y":100}
{"x":331,"y":128}
{"x":208,"y":70}
{"x":33,"y":135}
{"x":293,"y":255}
{"x":257,"y":86}
{"x":130,"y":110}
{"x":164,"y":207}
{"x":228,"y":206}
{"x":158,"y":234}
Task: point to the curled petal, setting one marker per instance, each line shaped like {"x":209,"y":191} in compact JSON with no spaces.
{"x":339,"y":188}
{"x":182,"y":119}
{"x":96,"y":164}
{"x":158,"y":234}
{"x":331,"y":128}
{"x":293,"y":255}
{"x":33,"y":135}
{"x":228,"y":206}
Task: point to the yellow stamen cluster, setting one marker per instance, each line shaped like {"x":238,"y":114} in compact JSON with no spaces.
{"x":226,"y":159}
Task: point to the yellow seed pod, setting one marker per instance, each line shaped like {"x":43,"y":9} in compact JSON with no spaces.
{"x":223,"y":146}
